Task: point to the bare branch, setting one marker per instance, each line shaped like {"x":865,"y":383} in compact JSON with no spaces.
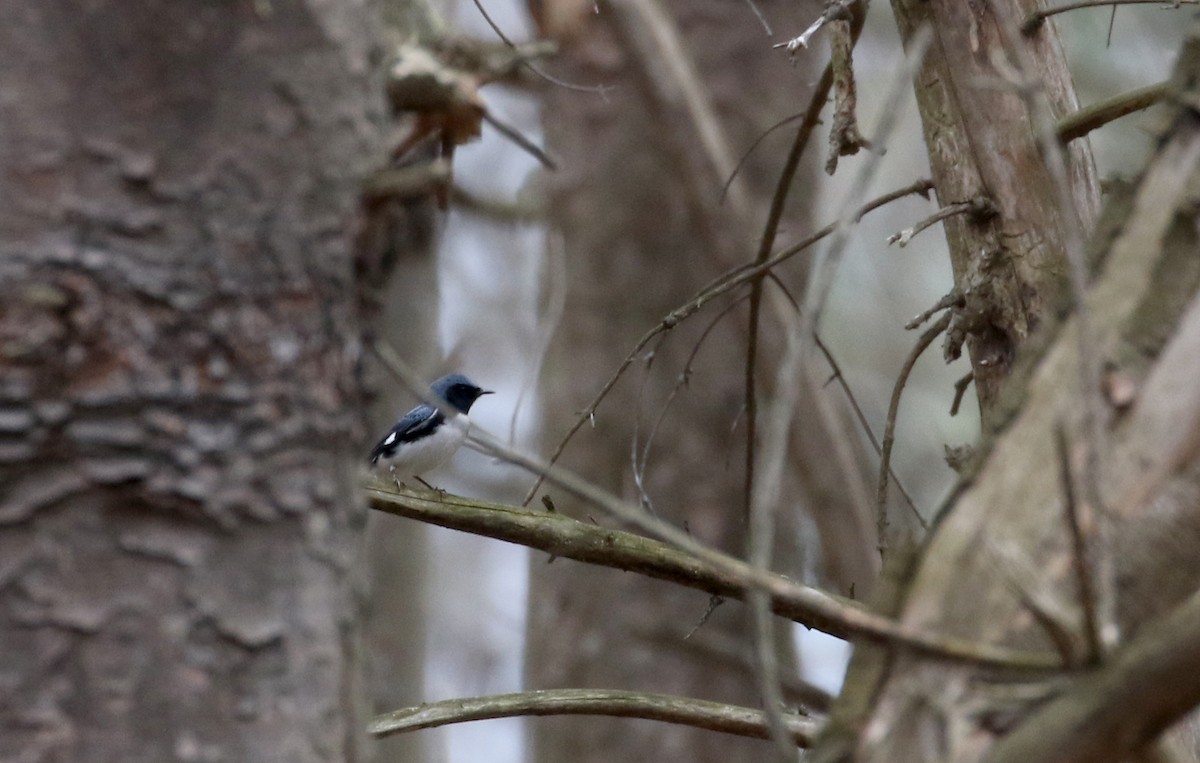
{"x":601,"y":90}
{"x":1079,"y":123}
{"x":714,"y":716}
{"x":1079,"y":550}
{"x":836,"y":10}
{"x":951,"y":299}
{"x":518,"y":139}
{"x":680,"y":382}
{"x":767,"y":242}
{"x":1035,"y":19}
{"x":979,"y":207}
{"x":723,"y":284}
{"x":960,"y":389}
{"x":762,"y":500}
{"x":750,"y":150}
{"x":685,"y":562}
{"x":762,"y":19}
{"x":889,"y":429}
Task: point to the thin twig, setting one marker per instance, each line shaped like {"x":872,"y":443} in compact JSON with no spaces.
{"x":698,"y":713}
{"x":952,"y":298}
{"x":960,"y":389}
{"x":834,"y":11}
{"x":889,"y":429}
{"x":723,"y":284}
{"x":680,"y":383}
{"x":556,"y":302}
{"x":761,"y":501}
{"x":643,"y":496}
{"x":522,"y":142}
{"x":980,"y":207}
{"x":1079,"y":550}
{"x":766,"y":242}
{"x":746,"y":154}
{"x":714,"y":601}
{"x":1035,"y":19}
{"x":758,"y":14}
{"x":840,"y":378}
{"x":601,"y":90}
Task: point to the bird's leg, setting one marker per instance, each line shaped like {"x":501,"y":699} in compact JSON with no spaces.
{"x":396,"y":477}
{"x":431,"y":487}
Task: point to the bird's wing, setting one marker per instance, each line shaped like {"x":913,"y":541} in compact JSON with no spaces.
{"x":417,"y":423}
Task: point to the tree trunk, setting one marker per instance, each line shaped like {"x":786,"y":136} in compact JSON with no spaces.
{"x":180,"y":397}
{"x":396,"y":248}
{"x":982,"y":137}
{"x":1000,"y":567}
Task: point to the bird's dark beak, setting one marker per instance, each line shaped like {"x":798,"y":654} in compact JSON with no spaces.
{"x":483,"y":392}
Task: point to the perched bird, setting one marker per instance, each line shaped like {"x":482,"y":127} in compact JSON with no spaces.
{"x":424,"y":438}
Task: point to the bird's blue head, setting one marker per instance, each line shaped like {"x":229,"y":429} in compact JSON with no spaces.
{"x":458,"y":391}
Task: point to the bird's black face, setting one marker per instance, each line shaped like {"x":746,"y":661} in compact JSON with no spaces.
{"x":462,"y":395}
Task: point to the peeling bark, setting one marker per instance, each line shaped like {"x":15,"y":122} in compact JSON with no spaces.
{"x":982,"y":142}
{"x":1143,"y":305}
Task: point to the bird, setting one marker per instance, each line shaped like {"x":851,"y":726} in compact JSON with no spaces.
{"x":425,"y":438}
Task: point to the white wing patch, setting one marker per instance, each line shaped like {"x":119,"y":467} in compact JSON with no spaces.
{"x":391,"y":438}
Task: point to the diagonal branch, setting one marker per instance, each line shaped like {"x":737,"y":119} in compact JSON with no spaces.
{"x":1079,"y":123}
{"x":685,"y":562}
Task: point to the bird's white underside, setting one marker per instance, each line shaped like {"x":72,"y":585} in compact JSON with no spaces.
{"x":413,"y":459}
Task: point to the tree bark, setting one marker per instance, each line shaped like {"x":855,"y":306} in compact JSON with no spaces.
{"x":982,"y":136}
{"x":1145,"y":326}
{"x":396,"y":250}
{"x":180,"y":392}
